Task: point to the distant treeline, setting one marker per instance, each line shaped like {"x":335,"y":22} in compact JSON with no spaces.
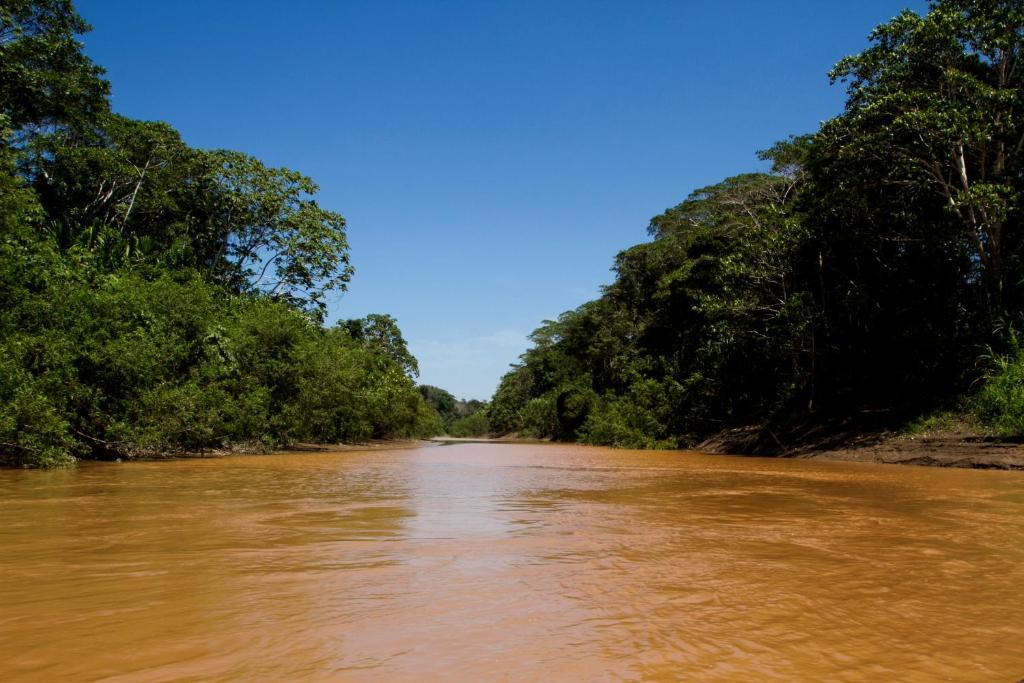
{"x":156,"y":298}
{"x":876,"y":269}
{"x":459,"y":417}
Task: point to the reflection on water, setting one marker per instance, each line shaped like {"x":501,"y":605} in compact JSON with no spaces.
{"x":493,"y":562}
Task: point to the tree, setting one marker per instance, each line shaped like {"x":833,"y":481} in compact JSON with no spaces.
{"x":274,"y":234}
{"x":665,"y":354}
{"x":442,"y":402}
{"x":45,"y":79}
{"x":135,"y":190}
{"x":156,"y":298}
{"x":935,"y":107}
{"x":131,"y":180}
{"x":381,"y":335}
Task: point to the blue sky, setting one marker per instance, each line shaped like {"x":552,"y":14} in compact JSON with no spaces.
{"x":490,"y":157}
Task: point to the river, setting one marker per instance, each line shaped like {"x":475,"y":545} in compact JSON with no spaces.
{"x":478,"y":562}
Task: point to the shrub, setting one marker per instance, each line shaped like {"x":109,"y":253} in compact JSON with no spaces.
{"x":1000,"y":402}
{"x":475,"y":425}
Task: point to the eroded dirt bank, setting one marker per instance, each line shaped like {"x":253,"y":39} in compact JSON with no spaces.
{"x":936,"y":449}
{"x":944,"y":449}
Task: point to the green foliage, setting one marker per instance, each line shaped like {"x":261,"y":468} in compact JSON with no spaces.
{"x":619,"y":421}
{"x":540,"y":417}
{"x":512,"y":394}
{"x":381,"y":333}
{"x":33,"y":431}
{"x":45,"y":79}
{"x":159,"y":299}
{"x":443,"y":403}
{"x":863,"y":272}
{"x":666,"y":351}
{"x":136,"y":195}
{"x":457,"y":417}
{"x":124,"y":366}
{"x":956,"y":421}
{"x":276,"y":238}
{"x":942,"y":95}
{"x":476,"y":425}
{"x":426,"y":422}
{"x":999,"y":404}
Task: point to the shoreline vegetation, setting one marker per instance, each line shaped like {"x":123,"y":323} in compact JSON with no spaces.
{"x":860,"y":298}
{"x":161,"y":299}
{"x":863,"y":290}
{"x":937,"y":449}
{"x":951,"y":449}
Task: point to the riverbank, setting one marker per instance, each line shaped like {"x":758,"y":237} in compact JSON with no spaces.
{"x":936,"y":449}
{"x":373,"y":445}
{"x":243,"y":449}
{"x":487,"y":439}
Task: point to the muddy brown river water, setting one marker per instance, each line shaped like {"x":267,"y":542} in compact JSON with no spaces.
{"x":478,"y":562}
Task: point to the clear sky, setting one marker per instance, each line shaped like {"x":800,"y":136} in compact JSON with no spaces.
{"x":490,"y":157}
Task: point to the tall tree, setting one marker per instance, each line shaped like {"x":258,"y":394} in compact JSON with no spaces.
{"x":935,"y":108}
{"x":45,"y":78}
{"x":273,"y":232}
{"x":381,"y":335}
{"x":136,"y":189}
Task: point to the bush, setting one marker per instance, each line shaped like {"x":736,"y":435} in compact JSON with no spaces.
{"x":475,"y":425}
{"x":1000,"y":402}
{"x":110,"y":365}
{"x":638,"y":419}
{"x":623,"y":423}
{"x":539,"y":417}
{"x":33,"y":431}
